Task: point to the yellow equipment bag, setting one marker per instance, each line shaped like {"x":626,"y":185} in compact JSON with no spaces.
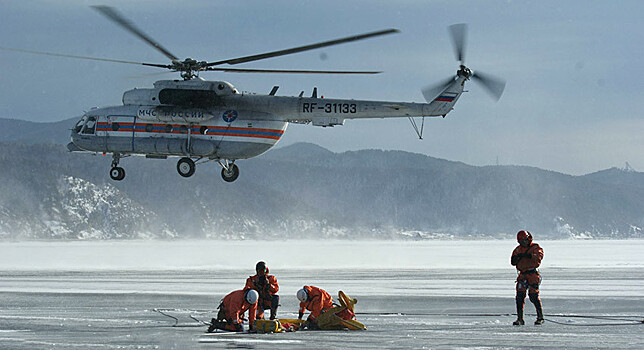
{"x":268,"y":326}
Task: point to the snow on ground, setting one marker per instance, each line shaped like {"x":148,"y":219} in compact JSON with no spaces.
{"x":431,"y":294}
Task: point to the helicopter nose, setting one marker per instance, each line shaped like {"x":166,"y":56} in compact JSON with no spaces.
{"x":73,"y":148}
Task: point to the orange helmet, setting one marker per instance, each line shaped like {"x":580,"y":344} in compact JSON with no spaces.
{"x":524,"y":235}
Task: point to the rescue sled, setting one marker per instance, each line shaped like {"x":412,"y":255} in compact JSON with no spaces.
{"x":341,"y":317}
{"x":336,"y":318}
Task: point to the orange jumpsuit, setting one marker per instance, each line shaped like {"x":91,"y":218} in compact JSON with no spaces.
{"x":232,"y":310}
{"x":318,"y":302}
{"x":267,"y":289}
{"x":529,"y":278}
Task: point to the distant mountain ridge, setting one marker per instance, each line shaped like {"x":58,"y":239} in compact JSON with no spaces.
{"x":16,"y":130}
{"x":304,"y":191}
{"x":617,"y":176}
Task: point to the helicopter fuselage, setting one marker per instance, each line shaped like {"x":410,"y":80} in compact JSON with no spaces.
{"x":212,"y":120}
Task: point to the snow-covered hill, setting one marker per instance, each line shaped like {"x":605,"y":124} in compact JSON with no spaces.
{"x":304,"y":191}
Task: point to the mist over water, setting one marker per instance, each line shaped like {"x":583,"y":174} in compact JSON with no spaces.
{"x":295,"y":254}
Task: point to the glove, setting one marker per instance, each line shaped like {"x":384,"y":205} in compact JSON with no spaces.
{"x":514,"y":260}
{"x":300,"y":315}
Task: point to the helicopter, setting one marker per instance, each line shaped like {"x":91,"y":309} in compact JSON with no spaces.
{"x":199,"y":120}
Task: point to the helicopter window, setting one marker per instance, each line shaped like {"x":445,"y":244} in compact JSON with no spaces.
{"x":80,"y":124}
{"x":168,"y":128}
{"x":183,"y":129}
{"x":90,"y":126}
{"x":116,"y":126}
{"x":202,"y":130}
{"x":220,"y":86}
{"x":149,"y":128}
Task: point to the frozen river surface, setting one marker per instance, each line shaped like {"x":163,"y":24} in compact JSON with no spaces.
{"x":103,"y":295}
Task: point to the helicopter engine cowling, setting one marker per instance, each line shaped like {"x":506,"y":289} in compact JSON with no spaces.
{"x":141,"y":97}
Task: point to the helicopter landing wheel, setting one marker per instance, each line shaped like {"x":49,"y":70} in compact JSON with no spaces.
{"x":186,"y":167}
{"x":231,"y":174}
{"x":117,"y":173}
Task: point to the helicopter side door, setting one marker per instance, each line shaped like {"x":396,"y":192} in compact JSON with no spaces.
{"x":118,"y":132}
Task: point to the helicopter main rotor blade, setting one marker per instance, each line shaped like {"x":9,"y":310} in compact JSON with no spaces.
{"x":493,"y":85}
{"x":84,"y":57}
{"x":288,"y":71}
{"x":262,"y":56}
{"x":458,"y":33}
{"x":119,"y":19}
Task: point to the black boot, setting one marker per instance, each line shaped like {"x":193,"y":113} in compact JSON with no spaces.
{"x":520,"y":299}
{"x":534,"y":298}
{"x":213,"y":326}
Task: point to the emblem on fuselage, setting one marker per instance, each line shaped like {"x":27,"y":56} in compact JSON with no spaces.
{"x":230,"y":115}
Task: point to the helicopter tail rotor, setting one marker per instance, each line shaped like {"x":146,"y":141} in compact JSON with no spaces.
{"x":458,"y":33}
{"x":430,"y":92}
{"x":493,"y":85}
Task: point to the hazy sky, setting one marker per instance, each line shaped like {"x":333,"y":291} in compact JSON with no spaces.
{"x":574,"y":71}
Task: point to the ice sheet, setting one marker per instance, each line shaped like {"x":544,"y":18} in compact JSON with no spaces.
{"x":411,"y":295}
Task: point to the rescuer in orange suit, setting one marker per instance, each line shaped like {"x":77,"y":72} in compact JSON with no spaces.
{"x":267,"y":287}
{"x":316,"y":300}
{"x":527,"y":258}
{"x":231,"y":311}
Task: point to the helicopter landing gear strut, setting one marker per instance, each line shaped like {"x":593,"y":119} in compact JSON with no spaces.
{"x":229,"y":171}
{"x":116,"y":173}
{"x":186,"y":167}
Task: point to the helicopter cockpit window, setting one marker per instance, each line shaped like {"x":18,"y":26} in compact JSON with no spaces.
{"x":90,"y":126}
{"x":80,"y":124}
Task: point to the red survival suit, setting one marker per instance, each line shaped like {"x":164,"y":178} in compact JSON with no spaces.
{"x":267,"y":287}
{"x":318,"y":301}
{"x":527,"y":258}
{"x":231,"y":312}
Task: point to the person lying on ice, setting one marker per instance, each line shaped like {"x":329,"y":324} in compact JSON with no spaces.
{"x":267,"y":287}
{"x":527,"y":258}
{"x":232,"y":308}
{"x":324,"y":315}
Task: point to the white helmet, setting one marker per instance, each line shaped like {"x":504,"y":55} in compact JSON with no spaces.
{"x":252,"y":296}
{"x":302,"y":295}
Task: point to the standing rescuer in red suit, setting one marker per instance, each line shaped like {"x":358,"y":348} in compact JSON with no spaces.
{"x":527,"y":258}
{"x":267,"y":287}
